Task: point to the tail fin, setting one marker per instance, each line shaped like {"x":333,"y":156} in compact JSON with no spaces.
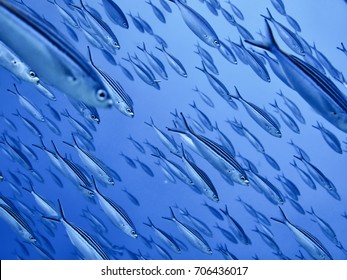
{"x":268,"y":43}
{"x":281,"y":220}
{"x":172,"y":218}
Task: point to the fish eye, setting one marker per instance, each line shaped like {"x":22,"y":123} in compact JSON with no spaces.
{"x":32,"y":74}
{"x":110,"y":180}
{"x":216,"y":42}
{"x":93,"y":117}
{"x":129,"y":110}
{"x":133,"y":232}
{"x":101,"y":94}
{"x":242,"y":178}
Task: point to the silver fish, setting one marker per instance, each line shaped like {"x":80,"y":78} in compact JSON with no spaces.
{"x":68,"y":70}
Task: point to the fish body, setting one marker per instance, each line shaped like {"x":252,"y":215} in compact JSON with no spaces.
{"x":68,"y":70}
{"x":315,"y":88}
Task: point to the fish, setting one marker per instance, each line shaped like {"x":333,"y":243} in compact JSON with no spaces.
{"x":227,"y":255}
{"x":115,"y":13}
{"x":218,"y":86}
{"x":236,"y":10}
{"x":198,"y":224}
{"x":289,"y":186}
{"x":268,"y":240}
{"x":121,"y":100}
{"x":329,"y":137}
{"x":227,"y":53}
{"x":199,"y":178}
{"x":320,"y":178}
{"x":146,"y":26}
{"x":137,"y":23}
{"x":224,"y":140}
{"x":162,"y":251}
{"x":253,"y":140}
{"x":84,"y":243}
{"x":145,"y":75}
{"x":197,"y":24}
{"x":164,"y":138}
{"x":270,"y":191}
{"x":131,"y":197}
{"x":325,"y":227}
{"x":216,"y":155}
{"x":309,"y":242}
{"x":304,"y":176}
{"x":286,"y":35}
{"x":128,"y":160}
{"x":260,"y":116}
{"x":279,"y":6}
{"x":28,"y":105}
{"x":208,"y":101}
{"x":213,"y":211}
{"x":137,"y":145}
{"x":292,"y":107}
{"x":154,"y":62}
{"x":116,"y":213}
{"x":236,"y":228}
{"x":45,"y":206}
{"x":193,"y":236}
{"x":69,"y":72}
{"x":166,"y":6}
{"x":145,"y":167}
{"x":11,"y":62}
{"x":174,"y":62}
{"x":95,"y":165}
{"x":81,"y":128}
{"x":315,"y":88}
{"x":286,"y":118}
{"x":227,"y":234}
{"x":16,"y":221}
{"x":166,"y":238}
{"x":175,"y":169}
{"x":157,"y":12}
{"x":202,"y":117}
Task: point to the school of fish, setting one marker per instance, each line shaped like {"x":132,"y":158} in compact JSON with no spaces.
{"x":170,"y":129}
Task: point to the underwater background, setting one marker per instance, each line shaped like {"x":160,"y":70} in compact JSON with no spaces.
{"x":322,"y":23}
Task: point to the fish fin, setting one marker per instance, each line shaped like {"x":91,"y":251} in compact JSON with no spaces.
{"x":176,"y":130}
{"x":172,"y":218}
{"x":55,"y":149}
{"x":282,"y":220}
{"x":69,"y":144}
{"x":268,"y":42}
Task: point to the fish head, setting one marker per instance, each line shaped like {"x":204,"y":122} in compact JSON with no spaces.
{"x":125,"y":109}
{"x":33,"y":78}
{"x":28,"y":236}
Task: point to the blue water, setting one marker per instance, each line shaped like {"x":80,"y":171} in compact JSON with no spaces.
{"x":322,"y":22}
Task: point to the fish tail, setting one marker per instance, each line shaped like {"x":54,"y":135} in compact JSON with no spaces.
{"x":55,"y":149}
{"x":196,"y":88}
{"x":311,"y":213}
{"x":268,"y":42}
{"x":172,"y":218}
{"x":143,"y":47}
{"x":280,"y":93}
{"x":281,"y":220}
{"x":160,"y":49}
{"x":186,"y":123}
{"x":293,"y":164}
{"x":238,"y":95}
{"x":225,"y":212}
{"x":193,"y":105}
{"x":318,"y":126}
